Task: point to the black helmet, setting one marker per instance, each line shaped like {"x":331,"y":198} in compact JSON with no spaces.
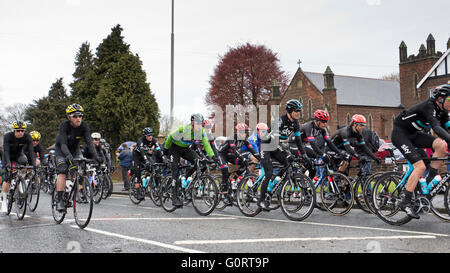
{"x":197,"y":117}
{"x":292,"y":105}
{"x":147,"y":131}
{"x":441,"y":91}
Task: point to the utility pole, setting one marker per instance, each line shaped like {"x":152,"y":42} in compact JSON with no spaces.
{"x":172,"y":36}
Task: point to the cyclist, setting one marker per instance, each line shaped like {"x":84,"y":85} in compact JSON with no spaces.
{"x":67,"y":147}
{"x":178,"y":144}
{"x":37,"y":147}
{"x":96,"y":141}
{"x":255,"y":141}
{"x":288,"y":124}
{"x":408,"y":135}
{"x":231,"y":152}
{"x":315,"y":133}
{"x":14,"y":144}
{"x":351,"y":136}
{"x":142,"y":155}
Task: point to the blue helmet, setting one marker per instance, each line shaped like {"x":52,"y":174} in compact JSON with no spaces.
{"x":147,"y":131}
{"x":292,"y":105}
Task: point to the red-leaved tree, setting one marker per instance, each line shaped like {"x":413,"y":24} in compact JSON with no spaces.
{"x":244,"y":76}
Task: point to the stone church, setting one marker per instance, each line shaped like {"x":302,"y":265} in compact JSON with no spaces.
{"x":378,"y":100}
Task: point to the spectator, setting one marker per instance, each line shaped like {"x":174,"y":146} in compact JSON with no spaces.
{"x":125,"y":158}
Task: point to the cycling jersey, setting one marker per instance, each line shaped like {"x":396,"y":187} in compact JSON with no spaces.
{"x":255,"y":143}
{"x":346,"y":137}
{"x":38,"y":151}
{"x":143,"y":146}
{"x":318,"y":138}
{"x":87,"y":154}
{"x":14,"y":149}
{"x":183,"y":136}
{"x":232,"y":145}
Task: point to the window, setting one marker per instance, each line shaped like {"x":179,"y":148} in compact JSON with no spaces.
{"x":349,"y":119}
{"x":301,"y":110}
{"x":311,"y":114}
{"x":370,"y":122}
{"x":416,"y":81}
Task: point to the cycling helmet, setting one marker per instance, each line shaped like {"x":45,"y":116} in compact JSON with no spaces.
{"x":19,"y":125}
{"x":35,"y":135}
{"x":207,"y":123}
{"x":197,"y":117}
{"x":241,"y":127}
{"x":74,"y":108}
{"x":441,"y":91}
{"x":147,"y":131}
{"x":321,"y":115}
{"x":262,"y":126}
{"x":292,"y":105}
{"x":359,"y":119}
{"x":96,"y":135}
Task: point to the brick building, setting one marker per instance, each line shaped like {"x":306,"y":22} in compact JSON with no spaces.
{"x":378,"y":100}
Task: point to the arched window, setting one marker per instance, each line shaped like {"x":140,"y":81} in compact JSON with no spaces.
{"x":311,"y":112}
{"x":301,"y":110}
{"x":416,"y":81}
{"x":370,"y":122}
{"x":349,"y":119}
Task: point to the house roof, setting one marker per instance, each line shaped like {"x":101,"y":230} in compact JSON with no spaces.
{"x":440,"y":62}
{"x":359,"y":91}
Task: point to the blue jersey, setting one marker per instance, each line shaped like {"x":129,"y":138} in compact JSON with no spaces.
{"x":254,"y":141}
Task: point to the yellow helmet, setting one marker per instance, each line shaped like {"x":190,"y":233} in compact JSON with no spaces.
{"x":73,"y":108}
{"x":19,"y":125}
{"x":35,"y":135}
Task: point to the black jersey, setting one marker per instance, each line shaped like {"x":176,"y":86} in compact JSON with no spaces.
{"x":14,"y":147}
{"x":143,"y":146}
{"x":425,"y":115}
{"x":346,"y":137}
{"x":69,"y":137}
{"x":318,"y":138}
{"x":88,"y":154}
{"x":38,"y":150}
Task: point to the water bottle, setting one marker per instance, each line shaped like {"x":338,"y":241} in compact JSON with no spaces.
{"x":270,"y":186}
{"x":315,"y":179}
{"x":250,"y":182}
{"x":434,"y":182}
{"x":145,"y":181}
{"x":183,"y":182}
{"x":188,"y":181}
{"x":423,"y":185}
{"x":233,"y":184}
{"x":69,"y":185}
{"x":277,"y":179}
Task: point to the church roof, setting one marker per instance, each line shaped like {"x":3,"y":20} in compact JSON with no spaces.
{"x":359,"y":91}
{"x":441,"y":67}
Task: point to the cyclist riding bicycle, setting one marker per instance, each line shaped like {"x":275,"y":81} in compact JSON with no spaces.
{"x":288,"y":124}
{"x":14,"y":144}
{"x":408,"y":135}
{"x":315,"y":133}
{"x":67,"y":147}
{"x":351,"y":136}
{"x":231,"y":152}
{"x":96,"y":141}
{"x":38,"y":149}
{"x":178,"y":144}
{"x":106,"y":149}
{"x":146,"y":148}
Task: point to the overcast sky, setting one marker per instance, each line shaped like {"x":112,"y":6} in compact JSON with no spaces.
{"x":39,"y":39}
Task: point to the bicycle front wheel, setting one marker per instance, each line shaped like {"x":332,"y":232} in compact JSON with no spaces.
{"x":204,"y":195}
{"x":20,"y":199}
{"x":298,"y":197}
{"x":97,"y":188}
{"x":57,"y":216}
{"x":33,"y":193}
{"x":336,"y":193}
{"x":165,"y":194}
{"x":83,"y":202}
{"x":248,"y":193}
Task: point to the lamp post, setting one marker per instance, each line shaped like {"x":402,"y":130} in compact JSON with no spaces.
{"x":172,"y":36}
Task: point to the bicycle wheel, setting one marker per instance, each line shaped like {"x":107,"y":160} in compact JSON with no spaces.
{"x":33,"y":193}
{"x":110,"y":185}
{"x":97,"y":188}
{"x":10,"y":198}
{"x":358,"y":189}
{"x":133,"y":191}
{"x":248,"y":193}
{"x":20,"y":199}
{"x":57,"y":216}
{"x":440,"y":205}
{"x":385,"y":195}
{"x":153,"y":189}
{"x":447,"y":198}
{"x":368,"y":190}
{"x":204,"y":195}
{"x":336,"y":193}
{"x":165,"y":194}
{"x":83,"y":201}
{"x":298,"y":197}
{"x":220,"y":204}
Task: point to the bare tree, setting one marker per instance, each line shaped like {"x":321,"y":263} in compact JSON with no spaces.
{"x":394,"y":76}
{"x":10,"y":114}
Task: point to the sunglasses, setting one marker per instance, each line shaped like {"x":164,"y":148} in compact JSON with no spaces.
{"x":297,"y":110}
{"x":35,"y":140}
{"x":96,"y":139}
{"x":324,"y":121}
{"x":361,"y":124}
{"x":76,"y":116}
{"x":20,"y":131}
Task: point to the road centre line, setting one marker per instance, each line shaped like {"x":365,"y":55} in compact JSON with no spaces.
{"x":162,"y":219}
{"x":276,"y":240}
{"x":334,"y":225}
{"x":145,"y":241}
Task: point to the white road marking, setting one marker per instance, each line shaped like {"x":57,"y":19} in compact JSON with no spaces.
{"x":276,"y":240}
{"x":335,"y":225}
{"x":162,"y":219}
{"x":145,"y":241}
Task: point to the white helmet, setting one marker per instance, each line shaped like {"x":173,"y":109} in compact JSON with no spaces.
{"x":96,"y":135}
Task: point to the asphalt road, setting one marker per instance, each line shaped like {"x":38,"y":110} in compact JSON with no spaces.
{"x":118,"y":226}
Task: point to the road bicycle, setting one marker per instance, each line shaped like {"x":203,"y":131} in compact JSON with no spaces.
{"x":149,"y":183}
{"x":78,"y":194}
{"x":386,"y":196}
{"x":17,"y":195}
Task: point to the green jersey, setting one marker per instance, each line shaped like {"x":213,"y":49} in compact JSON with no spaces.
{"x":184,"y":136}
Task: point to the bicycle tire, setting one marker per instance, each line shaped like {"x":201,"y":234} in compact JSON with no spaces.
{"x":337,"y":202}
{"x":385,"y":201}
{"x":358,"y":194}
{"x":153,"y":189}
{"x":33,"y":194}
{"x":248,"y":196}
{"x":10,"y":198}
{"x":368,"y":190}
{"x":132,"y":191}
{"x":20,"y":199}
{"x":97,"y":188}
{"x":82,"y":190}
{"x":204,"y":191}
{"x":295,"y":194}
{"x":447,"y":198}
{"x":165,"y":195}
{"x":57,"y":216}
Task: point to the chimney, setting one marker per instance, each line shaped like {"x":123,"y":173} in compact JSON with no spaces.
{"x":431,"y":49}
{"x":403,"y":52}
{"x":328,"y":78}
{"x":422,"y":51}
